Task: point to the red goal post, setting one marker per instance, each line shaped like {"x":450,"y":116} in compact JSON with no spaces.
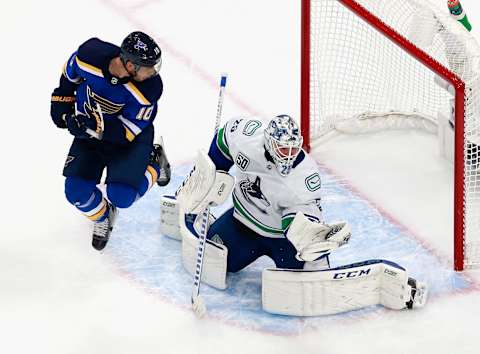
{"x":378,"y":16}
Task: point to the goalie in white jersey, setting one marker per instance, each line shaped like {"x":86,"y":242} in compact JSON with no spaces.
{"x":277,"y":213}
{"x":275,"y":180}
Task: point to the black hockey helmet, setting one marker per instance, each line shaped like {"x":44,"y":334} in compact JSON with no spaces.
{"x":141,"y":50}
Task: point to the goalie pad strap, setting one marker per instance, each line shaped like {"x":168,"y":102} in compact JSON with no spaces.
{"x":325,"y":292}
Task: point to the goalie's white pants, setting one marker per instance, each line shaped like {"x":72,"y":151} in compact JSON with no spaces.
{"x":346,"y":288}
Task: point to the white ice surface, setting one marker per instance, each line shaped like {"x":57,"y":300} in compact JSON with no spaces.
{"x":57,"y":295}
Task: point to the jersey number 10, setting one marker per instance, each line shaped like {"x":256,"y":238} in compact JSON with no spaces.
{"x":145,"y":113}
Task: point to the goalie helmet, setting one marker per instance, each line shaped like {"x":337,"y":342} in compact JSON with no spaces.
{"x":283,"y":142}
{"x":141,"y":50}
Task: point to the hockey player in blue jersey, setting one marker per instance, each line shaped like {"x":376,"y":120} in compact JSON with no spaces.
{"x":107,"y":99}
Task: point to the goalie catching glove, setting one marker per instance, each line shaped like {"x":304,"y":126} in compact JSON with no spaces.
{"x":313,"y":240}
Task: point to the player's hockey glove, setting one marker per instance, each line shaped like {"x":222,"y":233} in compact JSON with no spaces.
{"x":82,"y":125}
{"x":77,"y":125}
{"x":61,"y":105}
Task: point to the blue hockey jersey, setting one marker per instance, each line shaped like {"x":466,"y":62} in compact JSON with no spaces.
{"x":128,"y":107}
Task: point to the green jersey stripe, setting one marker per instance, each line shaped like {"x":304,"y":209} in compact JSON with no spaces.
{"x":286,"y":221}
{"x":222,"y":145}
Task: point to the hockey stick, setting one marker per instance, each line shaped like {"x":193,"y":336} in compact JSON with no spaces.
{"x":198,"y":304}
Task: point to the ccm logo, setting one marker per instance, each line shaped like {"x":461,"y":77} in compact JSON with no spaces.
{"x":168,"y":204}
{"x":352,"y":274}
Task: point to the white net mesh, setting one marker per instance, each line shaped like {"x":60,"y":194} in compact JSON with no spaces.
{"x":360,"y":81}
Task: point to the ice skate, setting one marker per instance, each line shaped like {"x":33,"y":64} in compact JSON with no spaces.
{"x":159,"y":157}
{"x":419,"y":294}
{"x":103,"y":229}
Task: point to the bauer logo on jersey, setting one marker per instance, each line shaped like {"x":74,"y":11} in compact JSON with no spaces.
{"x":242,"y":161}
{"x":313,"y":182}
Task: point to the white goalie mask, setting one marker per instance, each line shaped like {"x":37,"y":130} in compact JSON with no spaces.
{"x":283,"y":142}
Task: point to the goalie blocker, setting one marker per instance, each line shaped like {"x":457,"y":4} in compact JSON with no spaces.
{"x":204,"y":186}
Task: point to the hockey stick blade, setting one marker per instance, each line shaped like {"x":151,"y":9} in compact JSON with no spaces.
{"x":198,"y":306}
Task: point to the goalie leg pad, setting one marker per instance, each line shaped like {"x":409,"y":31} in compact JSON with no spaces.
{"x":169,"y":216}
{"x":341,"y":289}
{"x":214,"y":262}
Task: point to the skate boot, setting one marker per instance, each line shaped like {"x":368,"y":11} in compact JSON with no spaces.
{"x":159,"y":157}
{"x":102,"y":229}
{"x":419,"y":294}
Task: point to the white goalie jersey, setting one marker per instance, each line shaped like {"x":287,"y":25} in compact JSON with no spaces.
{"x":265,"y":201}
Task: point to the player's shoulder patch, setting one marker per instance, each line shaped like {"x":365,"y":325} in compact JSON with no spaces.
{"x":251,"y":126}
{"x":146,"y":92}
{"x":242,"y":137}
{"x":242,"y":161}
{"x":313,"y":182}
{"x":306,"y":176}
{"x":94,"y":55}
{"x":243,"y":126}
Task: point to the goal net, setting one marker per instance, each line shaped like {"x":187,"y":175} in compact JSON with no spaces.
{"x":371,"y":65}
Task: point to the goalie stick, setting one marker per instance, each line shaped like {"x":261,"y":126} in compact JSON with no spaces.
{"x":198,"y":304}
